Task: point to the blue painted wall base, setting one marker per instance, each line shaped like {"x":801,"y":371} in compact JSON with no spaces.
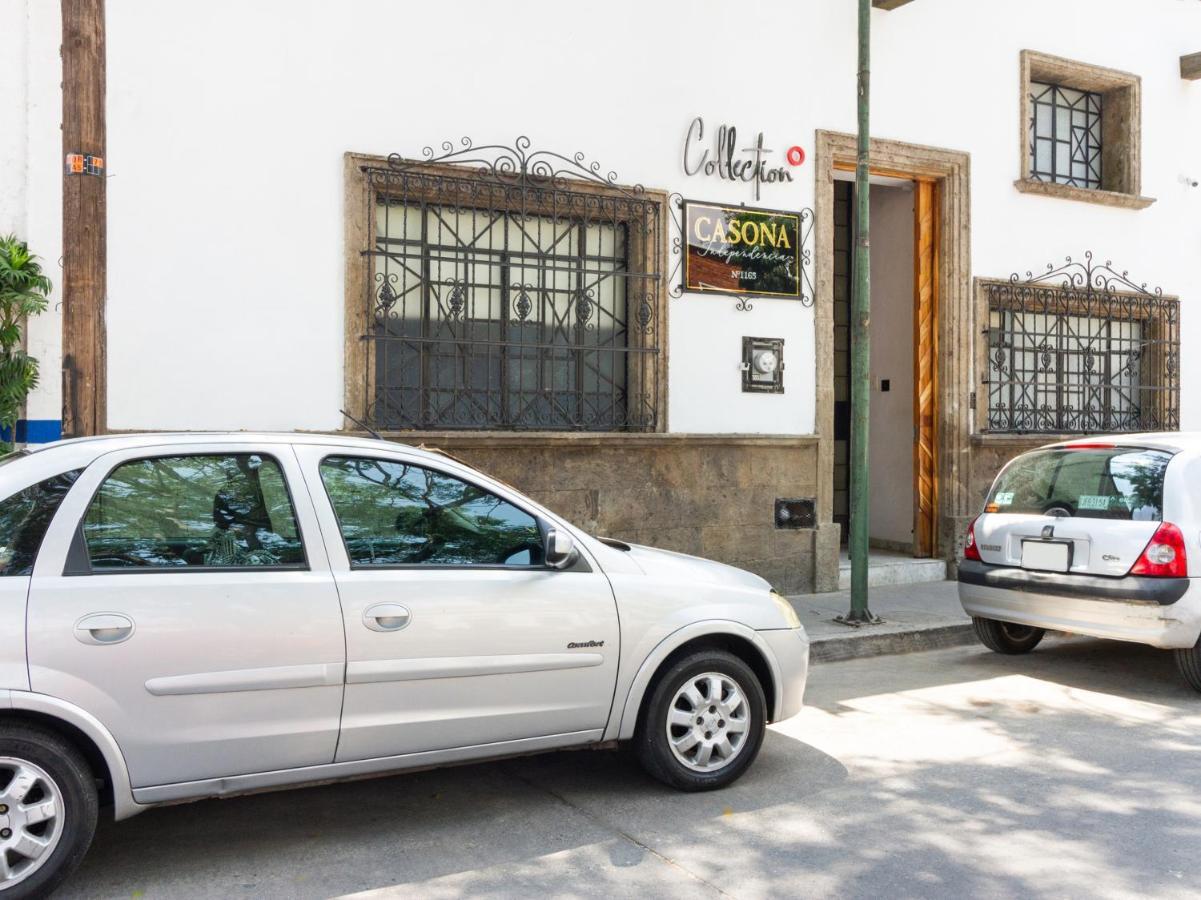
{"x":34,"y":431}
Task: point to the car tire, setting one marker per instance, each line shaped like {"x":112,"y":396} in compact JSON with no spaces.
{"x":1188,"y":661}
{"x":56,"y":779}
{"x":1007,"y":637}
{"x":685,"y":740}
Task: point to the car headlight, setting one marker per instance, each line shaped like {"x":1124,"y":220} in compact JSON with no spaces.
{"x":791,"y":619}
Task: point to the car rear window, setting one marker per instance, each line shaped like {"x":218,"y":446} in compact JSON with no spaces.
{"x":1087,"y":483}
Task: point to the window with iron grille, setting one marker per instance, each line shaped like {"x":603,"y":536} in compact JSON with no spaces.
{"x":505,"y":300}
{"x":1065,"y":135}
{"x":1081,"y":357}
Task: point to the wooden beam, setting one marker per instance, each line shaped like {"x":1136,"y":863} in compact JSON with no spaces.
{"x":84,"y":229}
{"x":889,"y":4}
{"x":1190,"y":66}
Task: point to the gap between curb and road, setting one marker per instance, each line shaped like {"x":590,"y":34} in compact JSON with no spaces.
{"x":916,"y":617}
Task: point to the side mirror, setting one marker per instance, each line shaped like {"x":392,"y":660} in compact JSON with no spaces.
{"x":560,"y":551}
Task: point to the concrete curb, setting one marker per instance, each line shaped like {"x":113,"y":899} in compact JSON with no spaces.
{"x":859,"y":643}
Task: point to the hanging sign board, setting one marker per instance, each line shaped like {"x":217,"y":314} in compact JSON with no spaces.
{"x":736,"y":250}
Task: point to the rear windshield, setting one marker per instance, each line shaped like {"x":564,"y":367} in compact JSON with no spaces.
{"x":1092,"y":483}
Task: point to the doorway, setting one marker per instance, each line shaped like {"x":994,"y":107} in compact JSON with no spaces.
{"x":944,"y":342}
{"x":903,"y":449}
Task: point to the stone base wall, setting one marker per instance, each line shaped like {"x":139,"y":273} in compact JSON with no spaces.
{"x":708,"y":495}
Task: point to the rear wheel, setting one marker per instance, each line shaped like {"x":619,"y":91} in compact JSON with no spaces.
{"x":703,"y":724}
{"x":1007,"y":637}
{"x":48,"y":809}
{"x":1188,"y":661}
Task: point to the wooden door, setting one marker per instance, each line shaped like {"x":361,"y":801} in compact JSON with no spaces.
{"x":925,"y":369}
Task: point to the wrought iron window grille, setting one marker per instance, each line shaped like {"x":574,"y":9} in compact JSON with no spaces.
{"x":1065,"y":135}
{"x":511,"y":288}
{"x":1081,"y":348}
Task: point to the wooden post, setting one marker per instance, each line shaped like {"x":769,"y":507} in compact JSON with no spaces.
{"x":84,"y":231}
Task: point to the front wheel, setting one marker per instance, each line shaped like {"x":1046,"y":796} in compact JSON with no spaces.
{"x":1007,"y":637}
{"x":48,"y":809}
{"x":703,"y":724}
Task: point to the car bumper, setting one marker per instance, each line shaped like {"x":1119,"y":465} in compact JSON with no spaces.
{"x":790,"y":648}
{"x":1163,"y":613}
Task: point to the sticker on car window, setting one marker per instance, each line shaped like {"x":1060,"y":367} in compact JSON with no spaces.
{"x":1093,"y":501}
{"x":1003,"y":498}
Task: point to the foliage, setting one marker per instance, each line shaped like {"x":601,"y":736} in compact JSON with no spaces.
{"x":23,"y":290}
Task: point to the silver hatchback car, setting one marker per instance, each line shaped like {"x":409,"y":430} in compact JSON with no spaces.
{"x":1096,"y":536}
{"x":200,"y":615}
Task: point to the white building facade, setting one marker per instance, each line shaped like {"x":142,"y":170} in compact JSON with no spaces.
{"x":268,"y":267}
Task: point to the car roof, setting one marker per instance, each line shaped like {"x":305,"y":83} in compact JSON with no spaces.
{"x":1175,"y":441}
{"x":98,"y":445}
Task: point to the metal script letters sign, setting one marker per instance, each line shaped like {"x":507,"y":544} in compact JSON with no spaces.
{"x":734,"y":250}
{"x":725,"y":162}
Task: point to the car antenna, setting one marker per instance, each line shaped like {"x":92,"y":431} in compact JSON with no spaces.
{"x":371,"y":431}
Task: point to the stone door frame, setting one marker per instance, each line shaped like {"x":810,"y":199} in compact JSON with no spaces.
{"x":956,"y":330}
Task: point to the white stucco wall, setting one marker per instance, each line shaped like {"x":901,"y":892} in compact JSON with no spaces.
{"x":227,"y":122}
{"x":890,"y":445}
{"x":31,"y":170}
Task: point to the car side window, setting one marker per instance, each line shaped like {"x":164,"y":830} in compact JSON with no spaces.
{"x":398,"y":514}
{"x":193,"y":512}
{"x":24,"y":518}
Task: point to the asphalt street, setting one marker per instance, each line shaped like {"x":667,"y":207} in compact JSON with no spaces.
{"x":1073,"y":772}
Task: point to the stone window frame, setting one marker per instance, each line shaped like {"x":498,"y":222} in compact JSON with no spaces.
{"x":1159,"y":314}
{"x":358,"y":201}
{"x":1121,"y":130}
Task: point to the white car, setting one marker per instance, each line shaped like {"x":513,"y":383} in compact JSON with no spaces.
{"x":198,"y":615}
{"x":1098,"y":536}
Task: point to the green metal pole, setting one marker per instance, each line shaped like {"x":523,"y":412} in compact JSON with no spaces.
{"x":861,"y":306}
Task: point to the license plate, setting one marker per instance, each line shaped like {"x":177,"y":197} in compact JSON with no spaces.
{"x":1049,"y":556}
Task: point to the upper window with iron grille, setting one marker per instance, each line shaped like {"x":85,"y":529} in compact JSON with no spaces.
{"x":1065,"y":135}
{"x":511,"y":304}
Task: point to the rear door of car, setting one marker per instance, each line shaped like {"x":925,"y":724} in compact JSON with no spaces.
{"x":1087,"y":508}
{"x":183,"y":598}
{"x":31,"y":497}
{"x":457,"y":635}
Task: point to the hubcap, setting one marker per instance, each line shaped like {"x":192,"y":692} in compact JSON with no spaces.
{"x":32,"y":822}
{"x":708,"y":721}
{"x":1016,"y":632}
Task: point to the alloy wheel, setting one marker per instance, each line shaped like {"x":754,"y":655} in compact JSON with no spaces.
{"x":708,"y":722}
{"x":31,"y":819}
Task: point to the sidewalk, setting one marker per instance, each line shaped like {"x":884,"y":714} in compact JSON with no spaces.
{"x":916,"y":617}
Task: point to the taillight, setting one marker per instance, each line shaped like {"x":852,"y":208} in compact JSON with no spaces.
{"x":970,"y":550}
{"x":1164,"y":555}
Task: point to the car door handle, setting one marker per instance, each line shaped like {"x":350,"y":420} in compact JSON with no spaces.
{"x":386,"y":617}
{"x":104,"y":628}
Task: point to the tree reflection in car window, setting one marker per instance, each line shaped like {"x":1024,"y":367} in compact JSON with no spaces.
{"x":24,"y":518}
{"x":193,"y":511}
{"x":394,"y":513}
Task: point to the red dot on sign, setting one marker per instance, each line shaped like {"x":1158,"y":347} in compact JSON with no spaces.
{"x":795,"y":156}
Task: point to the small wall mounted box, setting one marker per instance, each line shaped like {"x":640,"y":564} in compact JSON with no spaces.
{"x":762,"y":365}
{"x":796,"y":513}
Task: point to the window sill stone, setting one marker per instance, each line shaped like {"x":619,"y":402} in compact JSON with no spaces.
{"x":1006,"y":438}
{"x":1085,"y":195}
{"x":498,"y":439}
